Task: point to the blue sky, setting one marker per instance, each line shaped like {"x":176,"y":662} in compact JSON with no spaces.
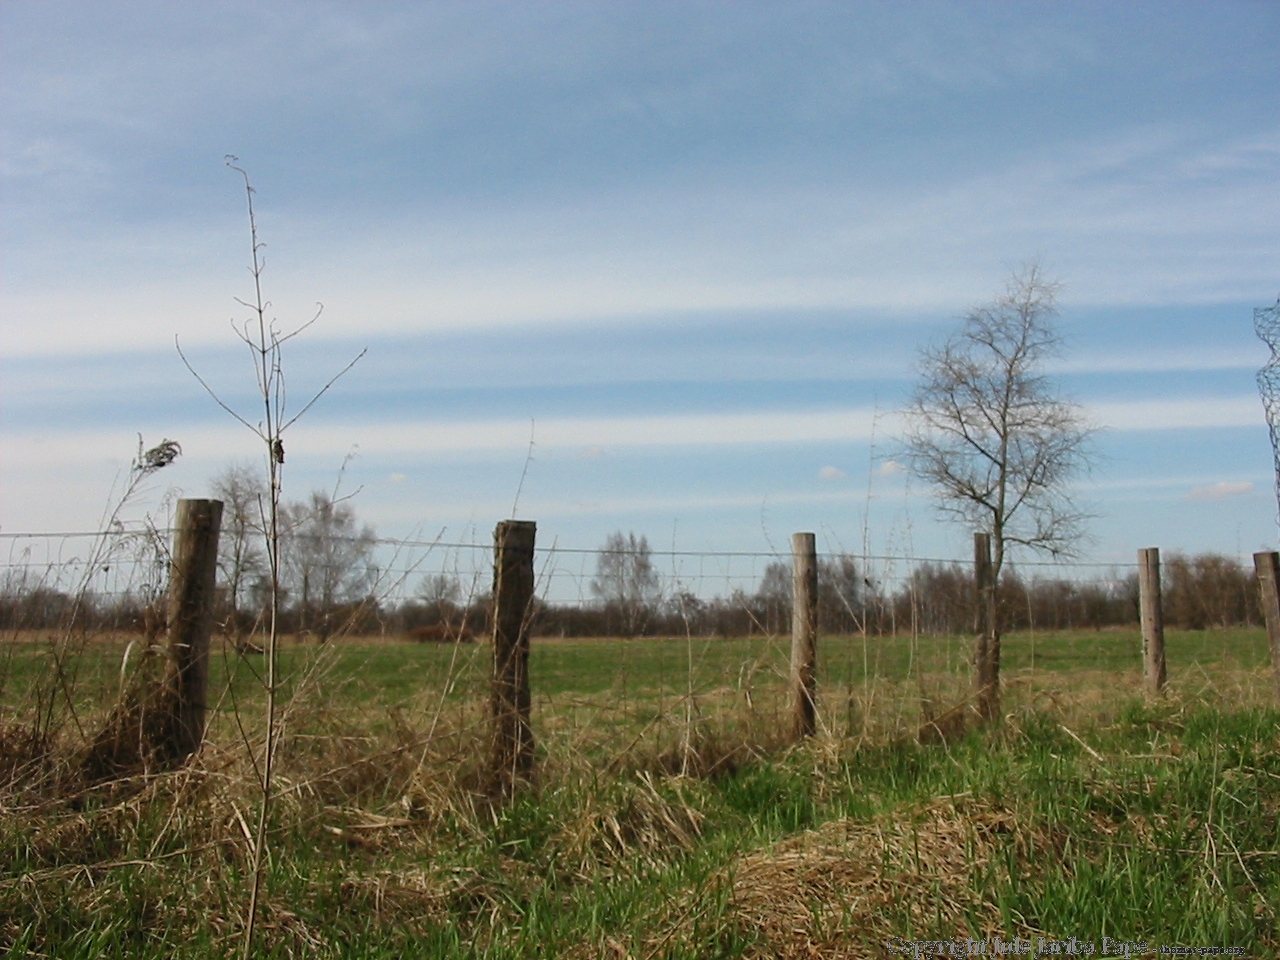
{"x":692,"y":247}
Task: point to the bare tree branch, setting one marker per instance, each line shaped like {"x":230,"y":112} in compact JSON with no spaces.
{"x":988,"y":429}
{"x":997,"y":443}
{"x":209,"y":390}
{"x":323,"y":390}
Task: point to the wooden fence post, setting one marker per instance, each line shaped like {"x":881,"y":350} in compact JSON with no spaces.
{"x":1151,"y":608}
{"x":511,"y":744}
{"x":1267,"y":566}
{"x":986,"y":655}
{"x":191,"y":601}
{"x":804,"y":634}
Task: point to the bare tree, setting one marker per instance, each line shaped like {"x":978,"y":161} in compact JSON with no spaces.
{"x":842,"y":595}
{"x":441,"y":597}
{"x":625,"y":580}
{"x":773,"y":598}
{"x":328,"y":559}
{"x":439,"y":591}
{"x":241,"y":557}
{"x":991,"y":434}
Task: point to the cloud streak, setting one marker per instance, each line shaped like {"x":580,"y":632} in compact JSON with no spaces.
{"x":656,"y":249}
{"x":1178,"y":414}
{"x":591,"y":436}
{"x":1221,"y":490}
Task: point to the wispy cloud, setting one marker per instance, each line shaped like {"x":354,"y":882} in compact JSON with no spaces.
{"x":579,"y":435}
{"x":1243,"y":411}
{"x":1221,"y":490}
{"x":1132,"y":216}
{"x":590,"y":436}
{"x":889,"y":468}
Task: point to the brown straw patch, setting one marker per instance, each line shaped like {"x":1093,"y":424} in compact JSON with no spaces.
{"x":843,"y":890}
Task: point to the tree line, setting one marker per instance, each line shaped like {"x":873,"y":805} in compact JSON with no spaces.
{"x":330,"y":581}
{"x":1201,"y":591}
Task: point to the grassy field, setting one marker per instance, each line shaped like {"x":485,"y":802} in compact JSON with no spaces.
{"x":669,"y":817}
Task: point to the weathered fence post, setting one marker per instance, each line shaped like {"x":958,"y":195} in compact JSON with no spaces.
{"x":511,"y":745}
{"x":1151,"y":610}
{"x":1267,"y":565}
{"x":804,"y":634}
{"x":986,"y":656}
{"x":191,"y":602}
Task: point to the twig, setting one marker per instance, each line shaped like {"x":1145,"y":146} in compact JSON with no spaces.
{"x":1088,"y":749}
{"x":525,"y":472}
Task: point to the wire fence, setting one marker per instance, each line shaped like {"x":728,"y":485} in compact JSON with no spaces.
{"x":631,"y":645}
{"x":367,"y":585}
{"x":625,"y":588}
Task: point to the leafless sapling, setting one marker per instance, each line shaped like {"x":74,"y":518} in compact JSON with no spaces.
{"x":997,"y":442}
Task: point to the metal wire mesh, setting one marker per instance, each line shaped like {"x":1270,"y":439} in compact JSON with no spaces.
{"x":1266,"y":321}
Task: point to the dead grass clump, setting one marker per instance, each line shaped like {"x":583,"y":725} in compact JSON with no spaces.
{"x":77,"y":838}
{"x":703,"y":751}
{"x":945,"y":726}
{"x":384,"y":786}
{"x":843,"y":890}
{"x":630,"y":818}
{"x":423,"y":897}
{"x":191,"y":808}
{"x":25,"y":755}
{"x":136,"y":738}
{"x":345,"y":770}
{"x":354,"y":766}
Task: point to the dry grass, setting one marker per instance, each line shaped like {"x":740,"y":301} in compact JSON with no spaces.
{"x":629,"y":840}
{"x":843,"y":890}
{"x":25,"y":754}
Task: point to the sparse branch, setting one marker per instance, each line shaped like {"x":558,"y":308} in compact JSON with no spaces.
{"x":281,"y":340}
{"x":323,"y":390}
{"x":209,"y":390}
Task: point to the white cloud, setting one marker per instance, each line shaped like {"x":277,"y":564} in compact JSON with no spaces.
{"x":1220,"y":491}
{"x":678,"y":248}
{"x":890,"y":468}
{"x":581,"y":433}
{"x":397,"y":478}
{"x":547,"y":507}
{"x":1243,"y":411}
{"x":381,"y":437}
{"x":831,"y":473}
{"x":586,"y":435}
{"x":1174,"y":358}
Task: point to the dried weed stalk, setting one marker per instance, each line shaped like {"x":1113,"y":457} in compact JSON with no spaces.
{"x":266,"y":341}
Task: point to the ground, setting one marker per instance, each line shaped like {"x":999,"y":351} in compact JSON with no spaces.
{"x":668,"y":816}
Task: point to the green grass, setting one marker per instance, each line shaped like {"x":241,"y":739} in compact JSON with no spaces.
{"x":1089,"y":812}
{"x":390,"y":673}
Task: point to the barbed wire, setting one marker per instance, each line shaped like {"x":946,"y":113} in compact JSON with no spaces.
{"x":776,"y":555}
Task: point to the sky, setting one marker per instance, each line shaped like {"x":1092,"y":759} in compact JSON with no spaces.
{"x":652,"y":267}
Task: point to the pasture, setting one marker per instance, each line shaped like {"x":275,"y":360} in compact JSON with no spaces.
{"x":669,"y":816}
